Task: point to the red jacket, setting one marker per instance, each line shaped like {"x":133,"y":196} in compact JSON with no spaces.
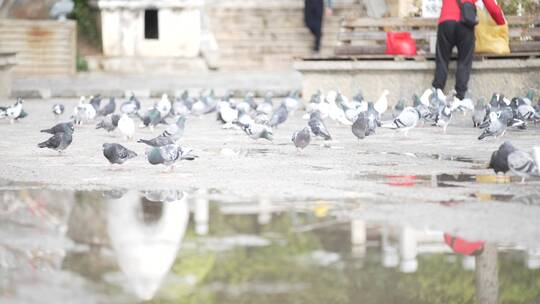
{"x":451,"y":11}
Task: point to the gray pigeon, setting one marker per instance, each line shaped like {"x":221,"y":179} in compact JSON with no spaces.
{"x":109,"y":122}
{"x":266,"y":106}
{"x":108,"y":108}
{"x":158,"y":141}
{"x":60,"y":127}
{"x":499,"y":158}
{"x":522,"y":165}
{"x":301,"y":138}
{"x":152,"y":118}
{"x":372,"y":118}
{"x":444,"y":115}
{"x":95,"y":101}
{"x":359,"y":127}
{"x":58,"y":109}
{"x":176,"y":130}
{"x":256,"y":131}
{"x":117,"y":154}
{"x":495,"y":128}
{"x":407,"y":119}
{"x":318,"y":128}
{"x":480,"y":112}
{"x":168,"y":155}
{"x":132,"y":106}
{"x":59,"y":141}
{"x":61,"y":9}
{"x":279,"y":116}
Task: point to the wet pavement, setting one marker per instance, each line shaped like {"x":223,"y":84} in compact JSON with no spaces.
{"x":385,"y":220}
{"x":176,"y":246}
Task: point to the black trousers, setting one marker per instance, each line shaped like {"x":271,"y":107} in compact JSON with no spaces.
{"x":450,"y":34}
{"x":313,"y":17}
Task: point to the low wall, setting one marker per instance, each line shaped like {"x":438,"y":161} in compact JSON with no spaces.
{"x":7,"y":62}
{"x":403,"y":78}
{"x":42,"y":46}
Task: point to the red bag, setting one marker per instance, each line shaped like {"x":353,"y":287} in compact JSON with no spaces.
{"x":400,"y":43}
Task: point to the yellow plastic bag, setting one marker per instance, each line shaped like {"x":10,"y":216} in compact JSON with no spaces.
{"x":490,"y":37}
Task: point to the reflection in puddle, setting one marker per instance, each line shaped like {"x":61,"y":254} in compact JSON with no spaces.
{"x":438,"y":180}
{"x":174,"y":246}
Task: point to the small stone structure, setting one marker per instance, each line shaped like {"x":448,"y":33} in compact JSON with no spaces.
{"x":7,"y":61}
{"x":156,"y":28}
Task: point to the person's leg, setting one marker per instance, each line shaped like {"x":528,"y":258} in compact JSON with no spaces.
{"x":445,"y":43}
{"x":318,"y":12}
{"x":465,"y":45}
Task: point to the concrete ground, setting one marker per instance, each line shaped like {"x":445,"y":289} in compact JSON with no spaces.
{"x":108,"y":84}
{"x":428,"y":179}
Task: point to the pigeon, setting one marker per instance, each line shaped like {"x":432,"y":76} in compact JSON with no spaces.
{"x":158,"y":141}
{"x":176,"y":130}
{"x":398,"y":108}
{"x":151,"y":118}
{"x":279,"y":116}
{"x":244,"y":118}
{"x":256,"y":131}
{"x":496,"y":127}
{"x":266,"y":106}
{"x":359,"y":127}
{"x":59,"y":141}
{"x":292,"y":101}
{"x":58,"y":109}
{"x":84,"y":112}
{"x":318,"y":128}
{"x":126,"y":125}
{"x":117,"y":154}
{"x":227,"y":113}
{"x":248,"y":103}
{"x":381,"y":105}
{"x":168,"y":155}
{"x":480,"y":112}
{"x":525,"y":110}
{"x":15,"y":111}
{"x":109,"y":122}
{"x":301,"y":138}
{"x":359,"y":97}
{"x":95,"y":101}
{"x":132,"y":106}
{"x":180,"y":107}
{"x":164,"y":106}
{"x":522,"y":165}
{"x":407,"y":120}
{"x":373,"y":119}
{"x":499,"y":158}
{"x":108,"y":108}
{"x":445,"y":112}
{"x":60,"y":127}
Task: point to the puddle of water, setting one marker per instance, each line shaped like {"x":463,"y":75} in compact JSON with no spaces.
{"x":173,"y":246}
{"x":440,"y":180}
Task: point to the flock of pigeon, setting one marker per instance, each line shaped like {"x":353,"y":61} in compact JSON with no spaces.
{"x":259,"y":119}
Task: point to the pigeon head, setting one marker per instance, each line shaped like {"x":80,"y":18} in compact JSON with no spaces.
{"x":19,"y":100}
{"x":105,"y":146}
{"x":315,"y":114}
{"x":69,"y":127}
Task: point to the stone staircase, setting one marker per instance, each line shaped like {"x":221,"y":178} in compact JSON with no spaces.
{"x":271,"y":33}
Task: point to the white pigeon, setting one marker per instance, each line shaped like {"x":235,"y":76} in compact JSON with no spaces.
{"x":84,"y":112}
{"x":424,"y":99}
{"x":381,"y":105}
{"x":126,"y":125}
{"x":334,"y":112}
{"x":164,"y":105}
{"x":15,"y":110}
{"x":227,"y":113}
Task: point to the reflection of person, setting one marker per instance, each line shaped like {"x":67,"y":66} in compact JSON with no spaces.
{"x":313,"y":17}
{"x":450,"y":33}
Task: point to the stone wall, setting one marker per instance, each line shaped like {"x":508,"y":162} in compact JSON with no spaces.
{"x":403,"y":78}
{"x":255,"y":33}
{"x":42,"y":46}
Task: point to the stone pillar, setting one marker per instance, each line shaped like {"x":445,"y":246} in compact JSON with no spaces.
{"x":487,"y":280}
